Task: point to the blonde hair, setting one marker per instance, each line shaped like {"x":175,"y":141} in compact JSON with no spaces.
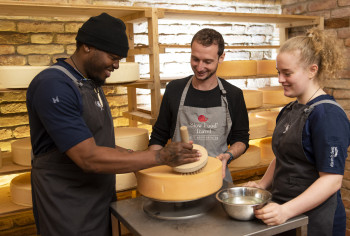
{"x":319,"y":48}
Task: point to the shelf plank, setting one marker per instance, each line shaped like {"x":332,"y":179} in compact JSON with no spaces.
{"x":164,"y":46}
{"x":140,"y":117}
{"x":6,"y":205}
{"x":8,"y":167}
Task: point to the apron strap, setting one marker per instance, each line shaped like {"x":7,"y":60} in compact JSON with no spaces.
{"x":312,"y":106}
{"x":70,"y":75}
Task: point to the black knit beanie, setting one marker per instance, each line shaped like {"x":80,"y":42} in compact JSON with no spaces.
{"x":106,"y":33}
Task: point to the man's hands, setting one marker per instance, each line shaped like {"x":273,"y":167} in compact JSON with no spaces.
{"x":176,"y":153}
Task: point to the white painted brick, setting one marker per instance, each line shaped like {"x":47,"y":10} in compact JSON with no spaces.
{"x":237,"y":55}
{"x":260,"y":29}
{"x":238,"y":39}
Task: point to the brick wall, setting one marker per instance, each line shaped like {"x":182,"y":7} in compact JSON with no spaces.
{"x":337,"y":16}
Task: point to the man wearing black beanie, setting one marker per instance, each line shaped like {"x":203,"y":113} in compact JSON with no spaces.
{"x":72,"y":134}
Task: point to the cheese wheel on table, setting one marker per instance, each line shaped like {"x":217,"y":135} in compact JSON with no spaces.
{"x":275,"y":95}
{"x":127,"y":72}
{"x":253,"y":98}
{"x":266,"y":67}
{"x":21,"y":190}
{"x":164,"y":184}
{"x":130,"y":138}
{"x":257,"y":128}
{"x":249,"y":159}
{"x":236,"y":68}
{"x":21,"y":152}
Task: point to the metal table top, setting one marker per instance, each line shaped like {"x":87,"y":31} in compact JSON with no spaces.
{"x":214,"y":222}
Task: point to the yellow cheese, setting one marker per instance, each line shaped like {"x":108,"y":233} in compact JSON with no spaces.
{"x":275,"y":95}
{"x":126,"y":73}
{"x":21,"y":152}
{"x":18,"y":76}
{"x":250,"y":158}
{"x":130,"y":138}
{"x":21,"y":190}
{"x":236,"y":68}
{"x":253,"y":98}
{"x":266,"y":67}
{"x":265,"y":148}
{"x":0,"y":159}
{"x":257,"y":128}
{"x":162,"y":183}
{"x":270,"y":117}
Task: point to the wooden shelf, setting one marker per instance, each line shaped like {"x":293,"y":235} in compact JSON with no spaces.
{"x":164,"y":46}
{"x":140,"y":116}
{"x":8,"y":167}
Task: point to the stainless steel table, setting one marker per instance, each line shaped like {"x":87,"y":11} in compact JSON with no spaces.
{"x":214,"y":222}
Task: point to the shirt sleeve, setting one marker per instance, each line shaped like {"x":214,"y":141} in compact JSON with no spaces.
{"x":330,"y":138}
{"x":58,"y":105}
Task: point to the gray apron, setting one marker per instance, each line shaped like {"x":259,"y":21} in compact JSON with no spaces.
{"x":73,"y":202}
{"x":208,"y":127}
{"x":293,"y":172}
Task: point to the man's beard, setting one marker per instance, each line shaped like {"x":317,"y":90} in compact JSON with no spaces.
{"x":98,"y":82}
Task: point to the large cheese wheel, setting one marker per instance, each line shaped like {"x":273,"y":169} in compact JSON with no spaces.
{"x":270,"y":117}
{"x":21,"y":152}
{"x":18,"y":76}
{"x":21,"y":190}
{"x":253,"y":98}
{"x":130,"y":138}
{"x":236,"y":68}
{"x":162,"y":183}
{"x":126,"y":73}
{"x":257,"y":128}
{"x":266,"y":67}
{"x":0,"y":159}
{"x":265,"y":148}
{"x":275,"y":95}
{"x":250,"y":158}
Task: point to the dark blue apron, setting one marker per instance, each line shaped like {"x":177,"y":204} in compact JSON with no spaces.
{"x":70,"y":201}
{"x":293,"y":172}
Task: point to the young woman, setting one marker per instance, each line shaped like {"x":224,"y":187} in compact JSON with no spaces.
{"x":310,"y":140}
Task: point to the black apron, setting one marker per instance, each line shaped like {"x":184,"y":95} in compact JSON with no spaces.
{"x":293,"y":172}
{"x":69,"y":201}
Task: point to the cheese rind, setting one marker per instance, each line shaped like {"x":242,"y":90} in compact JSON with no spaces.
{"x":126,"y":73}
{"x":21,"y":152}
{"x":275,"y":95}
{"x":266,"y":67}
{"x":236,"y":68}
{"x":270,"y":117}
{"x":162,"y":183}
{"x":18,"y":76}
{"x":250,"y":158}
{"x":265,"y":145}
{"x":253,"y":98}
{"x":21,"y":190}
{"x":257,"y":128}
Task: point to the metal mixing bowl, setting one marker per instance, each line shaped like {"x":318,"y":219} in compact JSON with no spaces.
{"x":240,"y":202}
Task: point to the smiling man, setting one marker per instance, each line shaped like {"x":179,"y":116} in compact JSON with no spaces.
{"x":213,"y":110}
{"x":72,"y":134}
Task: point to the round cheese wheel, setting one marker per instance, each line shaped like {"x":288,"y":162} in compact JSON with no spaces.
{"x":270,"y":117}
{"x":21,"y":190}
{"x":130,"y":138}
{"x":0,"y":159}
{"x":250,"y":158}
{"x":18,"y":76}
{"x":275,"y":95}
{"x":162,"y":183}
{"x":126,"y":73}
{"x":257,"y":128}
{"x":266,"y":149}
{"x":266,"y":67}
{"x":236,"y":68}
{"x":253,"y":98}
{"x":21,"y":152}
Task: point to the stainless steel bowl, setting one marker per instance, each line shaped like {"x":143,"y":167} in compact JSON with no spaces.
{"x":240,"y":202}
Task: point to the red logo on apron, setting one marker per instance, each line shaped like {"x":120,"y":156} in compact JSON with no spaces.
{"x":202,"y":118}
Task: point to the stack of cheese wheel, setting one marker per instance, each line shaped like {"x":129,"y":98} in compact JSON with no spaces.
{"x":253,"y":98}
{"x":21,"y":190}
{"x":275,"y":95}
{"x":249,"y":159}
{"x":127,"y":72}
{"x":236,"y":68}
{"x":21,"y":152}
{"x":266,"y":67}
{"x":164,"y":184}
{"x":270,"y":117}
{"x":18,"y":76}
{"x":257,"y":128}
{"x":266,"y":152}
{"x":130,"y":138}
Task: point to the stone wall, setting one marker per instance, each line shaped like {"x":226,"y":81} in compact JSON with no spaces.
{"x":337,"y":15}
